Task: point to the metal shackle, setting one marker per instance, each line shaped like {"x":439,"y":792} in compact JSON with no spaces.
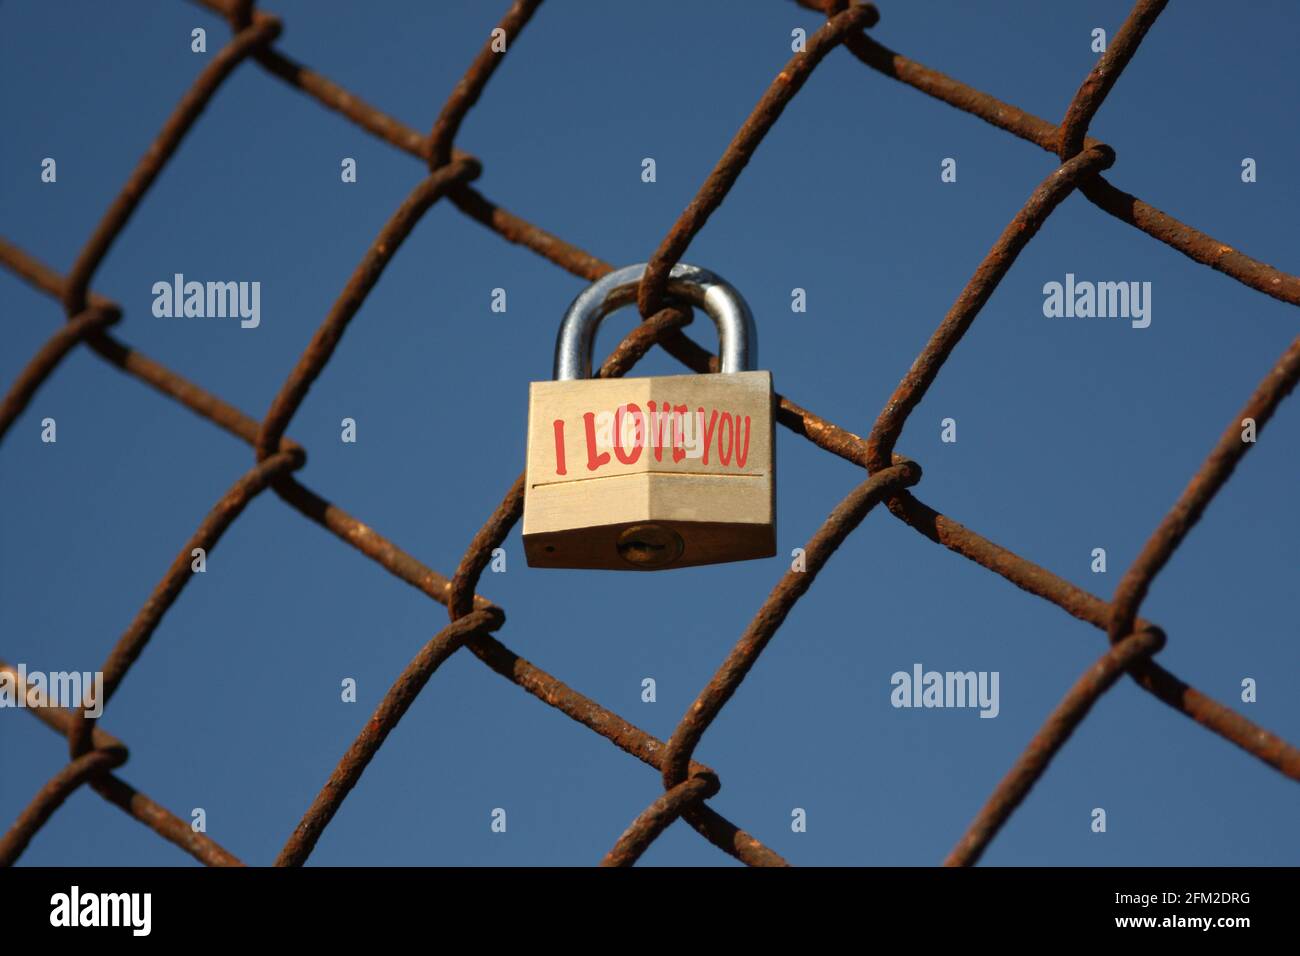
{"x":737,"y":336}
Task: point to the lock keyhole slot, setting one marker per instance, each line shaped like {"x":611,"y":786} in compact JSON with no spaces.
{"x":650,"y":545}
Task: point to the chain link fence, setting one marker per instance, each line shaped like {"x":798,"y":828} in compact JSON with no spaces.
{"x":687,"y":784}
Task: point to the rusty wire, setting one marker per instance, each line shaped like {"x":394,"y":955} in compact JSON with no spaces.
{"x":687,"y":784}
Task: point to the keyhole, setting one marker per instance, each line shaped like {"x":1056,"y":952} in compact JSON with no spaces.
{"x":650,"y":545}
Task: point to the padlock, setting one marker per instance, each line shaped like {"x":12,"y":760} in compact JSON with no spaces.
{"x":651,"y":473}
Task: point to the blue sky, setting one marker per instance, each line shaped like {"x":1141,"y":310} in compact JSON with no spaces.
{"x":1072,"y":434}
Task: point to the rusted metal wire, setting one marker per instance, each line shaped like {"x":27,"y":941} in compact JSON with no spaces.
{"x":367,"y":273}
{"x":390,"y":710}
{"x":117,"y":791}
{"x":50,"y":798}
{"x":1102,"y":77}
{"x":687,"y":784}
{"x":132,"y":643}
{"x":472,"y":84}
{"x":160,"y":151}
{"x":1053,"y":735}
{"x":788,"y":82}
{"x":1207,"y":481}
{"x":657,"y":817}
{"x":163,"y":822}
{"x":1188,"y":240}
{"x":846,"y":517}
{"x":1023,"y":227}
{"x":44,"y":362}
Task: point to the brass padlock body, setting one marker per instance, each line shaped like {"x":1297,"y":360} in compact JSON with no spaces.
{"x":650,"y":473}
